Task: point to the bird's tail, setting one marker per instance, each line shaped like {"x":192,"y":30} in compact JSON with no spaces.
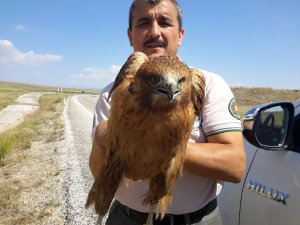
{"x":106,"y":184}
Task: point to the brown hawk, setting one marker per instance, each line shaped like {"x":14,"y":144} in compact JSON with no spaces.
{"x":154,"y":103}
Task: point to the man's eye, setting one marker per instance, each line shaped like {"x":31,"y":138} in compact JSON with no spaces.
{"x":165,"y":24}
{"x":142,"y":24}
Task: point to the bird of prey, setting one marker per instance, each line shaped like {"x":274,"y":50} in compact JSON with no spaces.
{"x":154,"y":103}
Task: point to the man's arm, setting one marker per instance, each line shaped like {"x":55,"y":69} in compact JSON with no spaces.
{"x":97,"y":156}
{"x":222,"y":158}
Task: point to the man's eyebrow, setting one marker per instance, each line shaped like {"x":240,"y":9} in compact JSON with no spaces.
{"x":148,"y":18}
{"x":165,"y":17}
{"x":144,"y":18}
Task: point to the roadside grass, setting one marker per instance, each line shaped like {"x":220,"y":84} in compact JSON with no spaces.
{"x":6,"y":143}
{"x":8,"y":87}
{"x":22,"y":136}
{"x":43,"y":125}
{"x":10,"y":91}
{"x":7,"y":98}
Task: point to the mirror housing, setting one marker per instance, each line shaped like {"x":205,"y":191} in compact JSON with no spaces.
{"x":269,"y":126}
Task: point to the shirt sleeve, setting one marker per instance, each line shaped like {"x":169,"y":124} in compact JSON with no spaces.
{"x":220,"y":112}
{"x":102,"y":109}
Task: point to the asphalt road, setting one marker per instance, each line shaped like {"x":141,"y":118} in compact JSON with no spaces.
{"x":78,"y":118}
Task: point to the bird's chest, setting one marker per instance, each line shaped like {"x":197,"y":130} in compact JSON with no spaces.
{"x":148,"y":141}
{"x":149,"y":152}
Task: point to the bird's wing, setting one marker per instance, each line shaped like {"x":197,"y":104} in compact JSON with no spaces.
{"x":198,"y":90}
{"x":131,"y":66}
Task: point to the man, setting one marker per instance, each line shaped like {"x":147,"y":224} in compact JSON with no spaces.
{"x":215,"y":151}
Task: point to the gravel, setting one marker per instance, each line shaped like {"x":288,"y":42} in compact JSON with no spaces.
{"x":77,"y":178}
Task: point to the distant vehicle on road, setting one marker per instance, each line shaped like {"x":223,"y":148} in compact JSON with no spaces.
{"x":270,"y":192}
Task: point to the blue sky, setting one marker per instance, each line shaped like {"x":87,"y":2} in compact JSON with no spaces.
{"x":83,"y":43}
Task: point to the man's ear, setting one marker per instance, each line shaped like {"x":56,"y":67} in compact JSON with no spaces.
{"x":181,"y":34}
{"x":129,"y":34}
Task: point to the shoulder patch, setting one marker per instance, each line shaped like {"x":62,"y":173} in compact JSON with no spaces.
{"x":233,"y":109}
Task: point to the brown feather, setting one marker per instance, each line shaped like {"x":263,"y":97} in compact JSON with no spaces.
{"x":131,"y":66}
{"x":198,"y":91}
{"x":154,"y":104}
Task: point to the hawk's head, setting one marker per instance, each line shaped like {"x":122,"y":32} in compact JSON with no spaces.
{"x":162,"y":82}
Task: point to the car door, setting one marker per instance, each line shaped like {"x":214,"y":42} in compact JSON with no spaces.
{"x":271,"y":194}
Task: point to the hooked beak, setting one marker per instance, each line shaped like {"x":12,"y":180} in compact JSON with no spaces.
{"x":169,"y":92}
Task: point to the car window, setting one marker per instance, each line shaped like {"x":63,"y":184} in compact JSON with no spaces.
{"x":271,"y":126}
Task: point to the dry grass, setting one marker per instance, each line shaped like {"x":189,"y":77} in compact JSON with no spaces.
{"x":9,"y":87}
{"x":12,"y":86}
{"x":30,"y":191}
{"x":10,"y":91}
{"x":7,"y":98}
{"x":5,"y":145}
{"x":22,"y":136}
{"x":22,"y":173}
{"x":24,"y":133}
{"x":248,"y":98}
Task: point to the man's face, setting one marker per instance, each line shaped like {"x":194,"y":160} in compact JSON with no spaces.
{"x":155,"y":29}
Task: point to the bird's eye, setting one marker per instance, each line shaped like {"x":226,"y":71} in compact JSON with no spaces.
{"x":181,"y":80}
{"x":155,"y":79}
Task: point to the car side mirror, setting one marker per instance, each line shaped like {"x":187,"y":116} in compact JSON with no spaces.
{"x":269,"y":126}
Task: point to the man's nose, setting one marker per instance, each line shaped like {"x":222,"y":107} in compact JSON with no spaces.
{"x":155,"y":29}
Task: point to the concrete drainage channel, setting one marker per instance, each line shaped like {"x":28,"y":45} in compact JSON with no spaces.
{"x":14,"y":114}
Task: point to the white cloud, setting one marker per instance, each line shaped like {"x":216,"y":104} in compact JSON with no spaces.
{"x":21,"y":27}
{"x":9,"y":54}
{"x":92,"y":73}
{"x":94,"y":77}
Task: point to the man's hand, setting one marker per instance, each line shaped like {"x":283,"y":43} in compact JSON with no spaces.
{"x":99,"y":148}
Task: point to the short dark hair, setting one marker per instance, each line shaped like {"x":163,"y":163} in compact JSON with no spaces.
{"x":154,"y":2}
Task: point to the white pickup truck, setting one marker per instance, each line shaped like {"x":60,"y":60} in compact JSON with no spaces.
{"x":270,"y":191}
